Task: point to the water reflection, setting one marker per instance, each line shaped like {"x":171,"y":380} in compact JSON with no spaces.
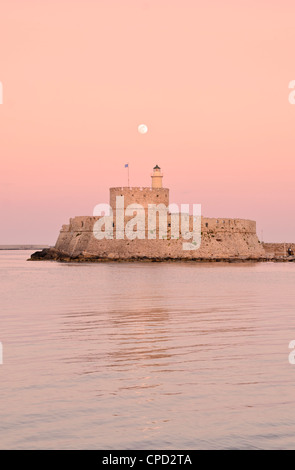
{"x":146,"y":356}
{"x":139,"y":336}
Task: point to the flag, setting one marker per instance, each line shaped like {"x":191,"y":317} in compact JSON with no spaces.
{"x":126,"y":165}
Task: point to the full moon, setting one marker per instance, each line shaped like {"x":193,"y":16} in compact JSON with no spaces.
{"x":142,"y":129}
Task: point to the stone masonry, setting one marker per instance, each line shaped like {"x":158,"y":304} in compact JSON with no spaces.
{"x":220,"y":237}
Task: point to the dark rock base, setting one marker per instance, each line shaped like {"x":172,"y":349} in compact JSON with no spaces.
{"x":52,"y":254}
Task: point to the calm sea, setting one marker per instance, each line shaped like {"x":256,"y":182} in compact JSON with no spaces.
{"x":146,"y":355}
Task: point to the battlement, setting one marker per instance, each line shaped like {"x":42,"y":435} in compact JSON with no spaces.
{"x":138,"y":188}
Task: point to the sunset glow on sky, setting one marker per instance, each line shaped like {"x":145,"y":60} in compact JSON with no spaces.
{"x":208,"y":78}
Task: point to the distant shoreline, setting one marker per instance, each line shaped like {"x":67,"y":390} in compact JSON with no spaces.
{"x":23,"y":247}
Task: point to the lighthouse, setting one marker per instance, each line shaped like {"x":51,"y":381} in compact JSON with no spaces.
{"x":157,"y":178}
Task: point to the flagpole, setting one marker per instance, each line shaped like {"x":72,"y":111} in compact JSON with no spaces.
{"x":128,"y":175}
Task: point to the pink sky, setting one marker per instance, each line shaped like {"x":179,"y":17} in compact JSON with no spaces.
{"x":209,"y":78}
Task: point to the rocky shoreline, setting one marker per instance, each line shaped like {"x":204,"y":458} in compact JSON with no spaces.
{"x":52,"y":254}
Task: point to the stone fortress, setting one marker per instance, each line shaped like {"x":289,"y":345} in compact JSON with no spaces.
{"x":222,"y":239}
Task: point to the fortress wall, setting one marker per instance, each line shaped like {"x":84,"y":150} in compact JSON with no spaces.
{"x":237,"y":238}
{"x":143,"y":196}
{"x":228,"y":225}
{"x":208,"y":225}
{"x":231,"y":246}
{"x":82,"y":223}
{"x":79,"y":242}
{"x":85,"y":223}
{"x":278,"y":249}
{"x":75,"y":236}
{"x":63,"y":241}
